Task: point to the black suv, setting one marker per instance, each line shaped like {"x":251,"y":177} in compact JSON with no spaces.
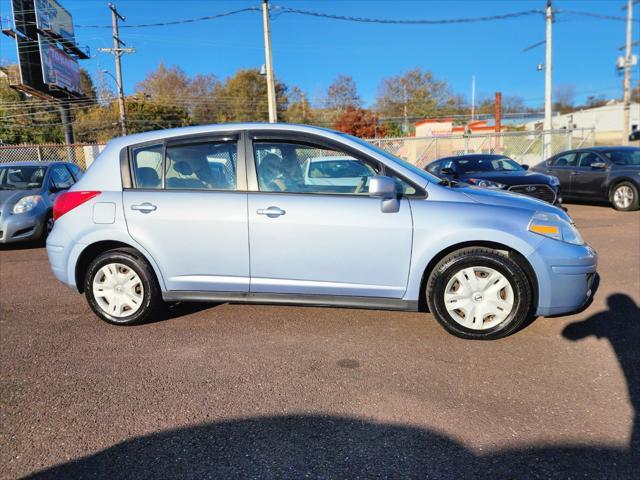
{"x":608,"y":174}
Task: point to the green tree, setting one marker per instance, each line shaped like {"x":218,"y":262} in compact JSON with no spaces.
{"x":299,"y":108}
{"x":417,"y":93}
{"x":243,"y":97}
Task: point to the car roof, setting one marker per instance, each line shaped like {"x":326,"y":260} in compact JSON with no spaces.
{"x":604,"y":148}
{"x":474,"y":156}
{"x":40,"y":163}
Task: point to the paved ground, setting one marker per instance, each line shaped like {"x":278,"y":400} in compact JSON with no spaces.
{"x":265,"y":391}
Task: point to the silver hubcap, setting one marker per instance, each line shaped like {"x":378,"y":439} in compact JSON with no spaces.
{"x":479,"y":297}
{"x":623,"y":196}
{"x":118,"y":290}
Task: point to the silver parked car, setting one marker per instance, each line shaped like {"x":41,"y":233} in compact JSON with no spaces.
{"x":27,"y":193}
{"x":226,"y":214}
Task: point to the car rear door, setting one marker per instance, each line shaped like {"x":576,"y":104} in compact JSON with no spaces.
{"x":189,"y":213}
{"x":587,"y":180}
{"x":320,"y":239}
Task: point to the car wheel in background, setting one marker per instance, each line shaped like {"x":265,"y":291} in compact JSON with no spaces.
{"x":479,"y":293}
{"x":121,"y":287}
{"x":624,"y":197}
{"x":47,"y":226}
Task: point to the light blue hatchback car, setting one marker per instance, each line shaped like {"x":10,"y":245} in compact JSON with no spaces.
{"x":224,"y":213}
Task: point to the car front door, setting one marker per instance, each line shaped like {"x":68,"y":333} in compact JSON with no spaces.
{"x":188,"y":208}
{"x":562,"y":166}
{"x":328,"y":239}
{"x":587,"y":179}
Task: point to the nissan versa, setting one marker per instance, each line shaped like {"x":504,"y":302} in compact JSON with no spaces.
{"x":227,"y":214}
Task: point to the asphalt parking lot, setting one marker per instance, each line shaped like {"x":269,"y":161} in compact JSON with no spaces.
{"x":271,"y":392}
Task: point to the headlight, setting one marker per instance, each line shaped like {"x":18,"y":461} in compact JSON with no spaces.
{"x":555,"y":182}
{"x":551,"y":225}
{"x":486,"y":183}
{"x":26,"y":203}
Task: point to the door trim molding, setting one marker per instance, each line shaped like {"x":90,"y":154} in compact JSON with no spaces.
{"x":374,"y":303}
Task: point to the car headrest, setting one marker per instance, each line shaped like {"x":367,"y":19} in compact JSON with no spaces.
{"x":147,"y":177}
{"x":183,"y":168}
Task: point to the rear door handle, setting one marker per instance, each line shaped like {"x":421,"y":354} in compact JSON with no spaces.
{"x":271,"y":212}
{"x":145,"y":207}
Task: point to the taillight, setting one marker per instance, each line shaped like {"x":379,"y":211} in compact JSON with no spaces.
{"x":67,"y":201}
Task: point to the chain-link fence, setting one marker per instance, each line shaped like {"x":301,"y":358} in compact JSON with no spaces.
{"x":80,"y":154}
{"x":523,"y":147}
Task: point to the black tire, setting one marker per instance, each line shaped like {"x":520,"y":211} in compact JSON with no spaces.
{"x":151,"y":298}
{"x":480,"y":257}
{"x":47,"y":225}
{"x":633,"y":205}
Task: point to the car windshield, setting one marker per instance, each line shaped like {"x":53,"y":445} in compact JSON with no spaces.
{"x":409,"y":166}
{"x":486,"y":164}
{"x":21,"y":177}
{"x":624,"y":157}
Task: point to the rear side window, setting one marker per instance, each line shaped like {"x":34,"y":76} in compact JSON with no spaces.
{"x":147,"y":166}
{"x":588,"y":158}
{"x":202,"y":166}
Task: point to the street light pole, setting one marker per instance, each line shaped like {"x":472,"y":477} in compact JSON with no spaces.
{"x":118,"y":50}
{"x":271,"y":84}
{"x":626,"y":123}
{"x":547,"y":84}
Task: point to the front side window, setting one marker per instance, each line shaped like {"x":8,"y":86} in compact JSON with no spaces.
{"x":565,"y":160}
{"x":588,"y":158}
{"x":61,"y":177}
{"x":300,"y":168}
{"x":202,"y":166}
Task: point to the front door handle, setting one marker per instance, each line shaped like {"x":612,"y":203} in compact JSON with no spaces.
{"x":271,"y":212}
{"x":145,"y":207}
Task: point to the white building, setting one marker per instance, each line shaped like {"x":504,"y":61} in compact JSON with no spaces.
{"x":605,"y":120}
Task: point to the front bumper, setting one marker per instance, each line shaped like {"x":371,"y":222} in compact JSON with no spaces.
{"x":20,"y":227}
{"x":567,"y":277}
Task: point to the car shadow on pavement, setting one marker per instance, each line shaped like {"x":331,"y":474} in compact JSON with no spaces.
{"x":31,"y":245}
{"x":179,"y":309}
{"x":296,"y":446}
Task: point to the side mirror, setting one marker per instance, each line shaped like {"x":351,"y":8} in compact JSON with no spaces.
{"x":526,"y":167}
{"x":384,"y":188}
{"x":599,"y":165}
{"x":53,"y":188}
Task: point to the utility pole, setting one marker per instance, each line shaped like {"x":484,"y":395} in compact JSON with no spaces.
{"x":626,"y":124}
{"x":271,"y":83}
{"x":547,"y":85}
{"x":498,"y":120}
{"x":119,"y":47}
{"x":473,"y":97}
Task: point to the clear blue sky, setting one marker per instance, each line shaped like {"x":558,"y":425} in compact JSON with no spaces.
{"x":310,"y":52}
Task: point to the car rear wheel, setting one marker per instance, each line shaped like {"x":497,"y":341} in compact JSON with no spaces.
{"x":624,"y":197}
{"x":121,"y":288}
{"x":479,"y":293}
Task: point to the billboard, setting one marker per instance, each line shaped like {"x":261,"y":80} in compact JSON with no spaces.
{"x":53,"y":19}
{"x":58,"y":68}
{"x":44,"y":66}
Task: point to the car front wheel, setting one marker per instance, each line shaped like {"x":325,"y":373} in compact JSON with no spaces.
{"x":479,"y":293}
{"x":624,"y":197}
{"x":121,"y":288}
